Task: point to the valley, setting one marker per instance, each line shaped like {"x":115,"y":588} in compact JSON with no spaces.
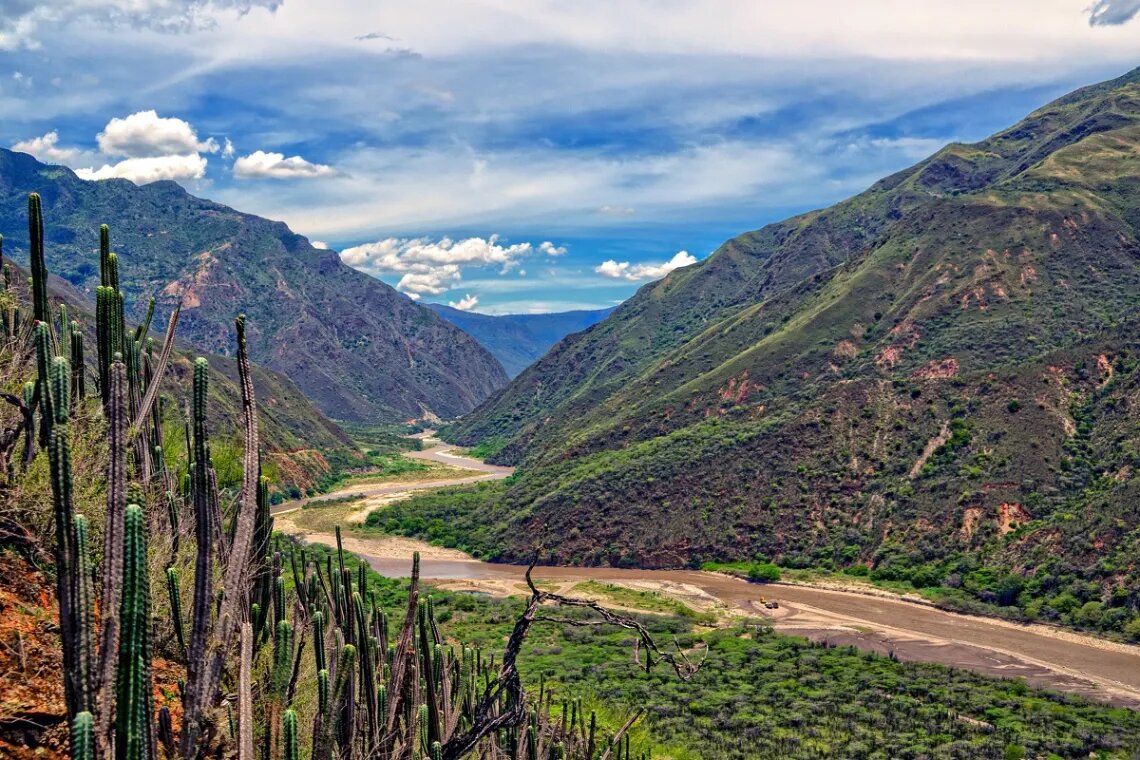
{"x":866,"y":618}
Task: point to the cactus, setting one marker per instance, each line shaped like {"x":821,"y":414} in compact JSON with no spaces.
{"x":319,"y":639}
{"x":133,"y":726}
{"x":59,"y":460}
{"x":282,"y":656}
{"x":289,"y":735}
{"x":104,"y":254}
{"x":78,"y":376}
{"x":203,"y":568}
{"x":43,"y":364}
{"x":176,"y":606}
{"x":83,"y":600}
{"x":40,"y":307}
{"x":83,"y":737}
{"x":113,"y":547}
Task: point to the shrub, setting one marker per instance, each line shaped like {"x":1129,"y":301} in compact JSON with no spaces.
{"x":763,"y":572}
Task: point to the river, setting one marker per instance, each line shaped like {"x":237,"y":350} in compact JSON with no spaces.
{"x":863,"y":617}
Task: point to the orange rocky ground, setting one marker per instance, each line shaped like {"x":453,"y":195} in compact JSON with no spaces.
{"x":33,"y":714}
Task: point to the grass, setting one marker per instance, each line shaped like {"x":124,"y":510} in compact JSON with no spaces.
{"x":637,"y":599}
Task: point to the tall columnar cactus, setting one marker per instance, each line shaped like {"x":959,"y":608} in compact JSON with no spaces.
{"x":133,"y":699}
{"x":83,"y":600}
{"x":113,"y":546}
{"x":103,"y":339}
{"x":104,"y":254}
{"x":40,"y":307}
{"x":78,"y":374}
{"x":203,"y":567}
{"x":43,"y":363}
{"x":59,"y":460}
{"x":175,"y":593}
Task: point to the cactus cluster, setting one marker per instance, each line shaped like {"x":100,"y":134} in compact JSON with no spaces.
{"x":381,"y":690}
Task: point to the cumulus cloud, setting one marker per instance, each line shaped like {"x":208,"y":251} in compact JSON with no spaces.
{"x":262,"y":165}
{"x":319,"y":244}
{"x":142,"y":147}
{"x":434,"y":267}
{"x":467,"y":303}
{"x":21,"y":19}
{"x":1113,"y":12}
{"x":624,"y":270}
{"x":145,"y":134}
{"x":148,"y":169}
{"x":434,"y":281}
{"x":46,"y":148}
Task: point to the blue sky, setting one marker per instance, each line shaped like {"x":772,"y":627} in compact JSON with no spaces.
{"x":538,"y":155}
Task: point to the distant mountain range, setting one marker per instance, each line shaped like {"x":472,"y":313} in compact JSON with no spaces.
{"x":357,"y":348}
{"x":519,"y":340}
{"x":944,"y":366}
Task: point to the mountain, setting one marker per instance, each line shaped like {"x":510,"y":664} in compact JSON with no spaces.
{"x":357,"y":348}
{"x":518,"y":340}
{"x":941,"y":369}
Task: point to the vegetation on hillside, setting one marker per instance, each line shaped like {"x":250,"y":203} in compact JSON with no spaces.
{"x":935,"y":380}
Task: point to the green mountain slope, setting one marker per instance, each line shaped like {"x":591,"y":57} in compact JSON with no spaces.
{"x":518,"y":340}
{"x":324,"y":325}
{"x":943,"y":366}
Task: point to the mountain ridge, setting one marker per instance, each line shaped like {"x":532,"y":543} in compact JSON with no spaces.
{"x":322,"y":324}
{"x":518,"y":340}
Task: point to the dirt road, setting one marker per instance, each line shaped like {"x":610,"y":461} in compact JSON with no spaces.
{"x":1041,"y":655}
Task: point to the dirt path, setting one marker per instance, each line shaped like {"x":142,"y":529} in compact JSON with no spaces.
{"x":1042,"y":655}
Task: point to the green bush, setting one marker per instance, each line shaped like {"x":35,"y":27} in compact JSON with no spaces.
{"x":763,"y":572}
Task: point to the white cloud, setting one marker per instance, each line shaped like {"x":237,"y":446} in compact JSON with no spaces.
{"x":142,"y":171}
{"x":145,"y":134}
{"x":262,"y":165}
{"x":228,"y":150}
{"x":624,"y":270}
{"x":434,"y":281}
{"x":435,"y":266}
{"x":615,"y":211}
{"x":467,"y":303}
{"x":46,"y":148}
{"x":319,"y":245}
{"x":151,"y":147}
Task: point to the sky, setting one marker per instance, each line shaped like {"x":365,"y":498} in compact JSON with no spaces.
{"x":514,"y":156}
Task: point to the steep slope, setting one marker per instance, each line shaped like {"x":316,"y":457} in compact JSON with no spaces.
{"x":356,"y":347}
{"x":944,"y":366}
{"x":518,"y":340}
{"x":784,"y":261}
